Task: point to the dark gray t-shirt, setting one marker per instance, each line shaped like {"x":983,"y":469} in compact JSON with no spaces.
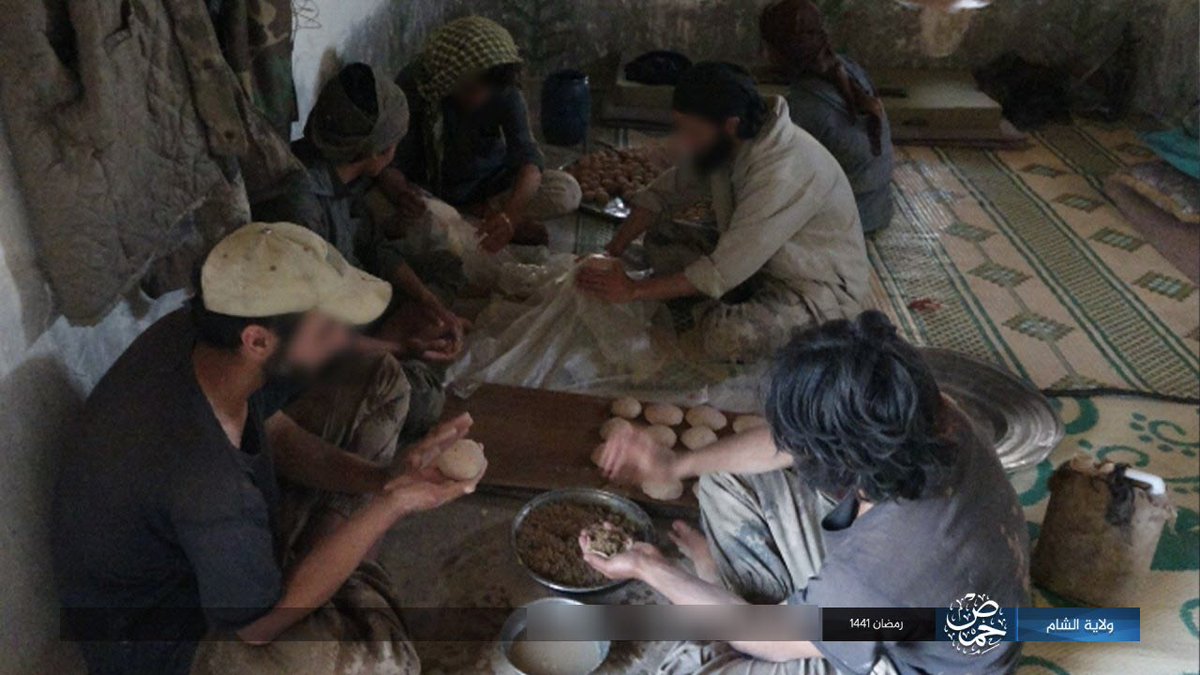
{"x":162,"y":528}
{"x":927,"y":553}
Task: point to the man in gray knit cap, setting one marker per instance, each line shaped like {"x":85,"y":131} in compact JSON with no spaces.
{"x":350,"y":138}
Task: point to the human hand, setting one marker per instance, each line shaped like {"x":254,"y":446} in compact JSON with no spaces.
{"x":631,"y":456}
{"x":454,"y":326}
{"x":616,"y":248}
{"x":422,"y":486}
{"x":497,"y":230}
{"x":427,"y":330}
{"x":629,"y":564}
{"x":424,"y":453}
{"x":611,"y":285}
{"x":410,"y":203}
{"x":435,"y":350}
{"x":407,"y":198}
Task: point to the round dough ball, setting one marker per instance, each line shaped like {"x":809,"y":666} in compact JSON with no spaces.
{"x":463,"y":461}
{"x":706,"y":416}
{"x":627,"y":407}
{"x":662,"y":435}
{"x":614,"y":425}
{"x":664,"y":413}
{"x":698,"y":437}
{"x":663,"y":491}
{"x":747,"y":422}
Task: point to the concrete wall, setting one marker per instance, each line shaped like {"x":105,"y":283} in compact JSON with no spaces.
{"x":329,"y":33}
{"x":878,"y":33}
{"x":1167,"y":83}
{"x":46,"y":368}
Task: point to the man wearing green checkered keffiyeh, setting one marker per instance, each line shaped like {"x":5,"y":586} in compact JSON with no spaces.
{"x":471,"y":144}
{"x":462,"y":49}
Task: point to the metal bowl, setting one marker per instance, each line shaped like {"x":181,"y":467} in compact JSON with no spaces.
{"x":1011,"y":414}
{"x":582,"y":496}
{"x":514,"y":626}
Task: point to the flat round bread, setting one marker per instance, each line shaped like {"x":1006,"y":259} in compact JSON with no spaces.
{"x":662,"y":435}
{"x":706,"y":416}
{"x":663,"y":491}
{"x":698,"y":437}
{"x":747,"y":422}
{"x":627,"y":407}
{"x":664,"y":413}
{"x":614,"y":425}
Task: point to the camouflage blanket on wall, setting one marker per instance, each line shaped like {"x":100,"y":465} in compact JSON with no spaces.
{"x":128,"y":129}
{"x":256,"y":38}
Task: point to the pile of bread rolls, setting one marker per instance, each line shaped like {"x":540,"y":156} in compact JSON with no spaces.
{"x":608,"y":174}
{"x":662,"y":423}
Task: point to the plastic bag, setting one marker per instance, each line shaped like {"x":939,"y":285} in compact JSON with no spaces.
{"x":565,"y":340}
{"x":516,"y":271}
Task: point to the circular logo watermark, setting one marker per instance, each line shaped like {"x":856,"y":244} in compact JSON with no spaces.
{"x":975,"y":624}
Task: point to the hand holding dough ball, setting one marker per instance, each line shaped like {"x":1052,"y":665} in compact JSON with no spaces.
{"x":706,"y":416}
{"x":627,"y":407}
{"x":748,"y":422}
{"x":665,"y":491}
{"x":664,"y":414}
{"x":662,"y":435}
{"x":614,"y":425}
{"x":462,"y":461}
{"x":698,"y":437}
{"x":601,"y":262}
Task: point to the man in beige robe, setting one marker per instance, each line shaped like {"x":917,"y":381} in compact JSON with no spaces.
{"x":787,"y":251}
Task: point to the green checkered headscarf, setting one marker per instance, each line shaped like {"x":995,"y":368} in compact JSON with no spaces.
{"x":459,"y":50}
{"x":462,"y":48}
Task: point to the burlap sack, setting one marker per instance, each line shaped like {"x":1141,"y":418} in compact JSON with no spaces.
{"x":1099,"y":534}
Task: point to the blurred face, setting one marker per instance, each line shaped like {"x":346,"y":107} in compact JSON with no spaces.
{"x":378,"y":163}
{"x":315,"y":340}
{"x":472,"y":94}
{"x":707,"y":144}
{"x":773,"y":57}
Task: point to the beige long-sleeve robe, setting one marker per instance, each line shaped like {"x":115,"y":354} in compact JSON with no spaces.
{"x":785,"y":210}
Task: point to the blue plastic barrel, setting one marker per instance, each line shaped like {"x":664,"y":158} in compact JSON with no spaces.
{"x":566,"y":107}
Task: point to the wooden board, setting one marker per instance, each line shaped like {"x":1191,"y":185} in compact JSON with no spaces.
{"x":538,"y":440}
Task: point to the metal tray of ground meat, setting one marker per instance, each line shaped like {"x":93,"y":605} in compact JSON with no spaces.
{"x":1012,"y":414}
{"x":587,"y":496}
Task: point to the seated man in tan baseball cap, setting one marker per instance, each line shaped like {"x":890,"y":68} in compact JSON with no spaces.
{"x":169,"y":523}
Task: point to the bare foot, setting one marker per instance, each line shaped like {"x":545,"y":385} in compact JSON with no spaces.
{"x":694,"y":546}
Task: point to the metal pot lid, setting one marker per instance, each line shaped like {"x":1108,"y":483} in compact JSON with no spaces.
{"x":1016,"y":418}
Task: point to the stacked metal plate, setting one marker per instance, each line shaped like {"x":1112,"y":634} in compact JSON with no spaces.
{"x":1012,"y":414}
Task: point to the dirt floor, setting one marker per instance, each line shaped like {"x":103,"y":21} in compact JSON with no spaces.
{"x":460,"y":556}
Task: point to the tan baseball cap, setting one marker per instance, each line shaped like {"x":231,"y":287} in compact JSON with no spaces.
{"x":267,"y":269}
